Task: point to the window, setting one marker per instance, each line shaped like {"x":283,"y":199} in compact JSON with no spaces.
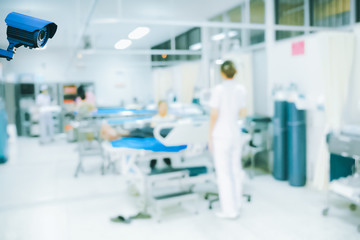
{"x":257,"y":36}
{"x":287,"y":34}
{"x":165,"y":45}
{"x":182,"y":42}
{"x":218,"y":18}
{"x":330,"y":13}
{"x":257,"y":11}
{"x":194,"y":37}
{"x":235,"y":14}
{"x":358,"y":10}
{"x":289,"y":13}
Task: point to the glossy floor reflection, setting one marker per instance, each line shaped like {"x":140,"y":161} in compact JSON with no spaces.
{"x":41,"y":200}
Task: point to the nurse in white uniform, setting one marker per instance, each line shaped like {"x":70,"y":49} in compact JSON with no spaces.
{"x":43,"y":101}
{"x":228,"y":102}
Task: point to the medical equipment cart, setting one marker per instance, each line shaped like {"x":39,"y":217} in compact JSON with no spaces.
{"x":345,"y":144}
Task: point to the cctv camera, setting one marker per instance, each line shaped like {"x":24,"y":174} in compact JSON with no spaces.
{"x":26,"y":31}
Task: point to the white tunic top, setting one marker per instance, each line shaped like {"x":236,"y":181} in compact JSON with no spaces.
{"x":228,"y":98}
{"x":43,"y":100}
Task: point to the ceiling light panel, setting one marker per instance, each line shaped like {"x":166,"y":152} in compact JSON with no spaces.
{"x":122,"y":44}
{"x":139,"y":32}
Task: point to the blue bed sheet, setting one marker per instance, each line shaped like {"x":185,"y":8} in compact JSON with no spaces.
{"x":126,"y":120}
{"x":110,"y":111}
{"x":150,"y":144}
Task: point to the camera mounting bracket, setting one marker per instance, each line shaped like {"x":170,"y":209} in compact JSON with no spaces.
{"x":9,"y":53}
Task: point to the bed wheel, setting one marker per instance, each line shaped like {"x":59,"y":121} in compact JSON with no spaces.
{"x":249,"y":199}
{"x":353,"y":207}
{"x":325,"y":212}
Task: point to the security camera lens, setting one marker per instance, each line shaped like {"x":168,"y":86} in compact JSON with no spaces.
{"x":41,"y":38}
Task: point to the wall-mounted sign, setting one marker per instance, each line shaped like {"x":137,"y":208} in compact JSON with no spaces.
{"x":298,"y":48}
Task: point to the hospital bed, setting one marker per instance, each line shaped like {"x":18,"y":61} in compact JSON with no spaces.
{"x":170,"y":140}
{"x":87,"y":129}
{"x":89,"y":144}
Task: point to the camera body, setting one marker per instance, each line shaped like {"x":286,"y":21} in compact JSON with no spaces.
{"x":23,"y":30}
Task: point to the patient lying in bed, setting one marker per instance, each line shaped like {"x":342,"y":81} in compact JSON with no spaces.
{"x":109,"y":133}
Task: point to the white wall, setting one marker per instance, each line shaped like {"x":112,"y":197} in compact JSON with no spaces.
{"x":260,"y":83}
{"x":118,"y":78}
{"x":352,"y":108}
{"x":303,"y":70}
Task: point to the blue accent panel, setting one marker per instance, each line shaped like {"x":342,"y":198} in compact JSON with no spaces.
{"x":126,"y":120}
{"x":340,"y":166}
{"x":150,"y":144}
{"x":109,"y":111}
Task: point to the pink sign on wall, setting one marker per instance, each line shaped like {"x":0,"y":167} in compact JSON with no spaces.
{"x":298,"y":48}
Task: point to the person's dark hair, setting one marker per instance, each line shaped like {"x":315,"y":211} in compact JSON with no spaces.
{"x":228,"y":68}
{"x":81,"y":92}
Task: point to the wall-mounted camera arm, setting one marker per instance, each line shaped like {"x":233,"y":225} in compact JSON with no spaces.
{"x":6,"y":54}
{"x":9,"y":53}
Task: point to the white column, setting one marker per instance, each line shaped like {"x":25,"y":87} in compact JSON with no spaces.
{"x":245,"y":33}
{"x":352,"y":12}
{"x":269,"y":42}
{"x":226,"y":42}
{"x":205,"y":58}
{"x":307,"y":15}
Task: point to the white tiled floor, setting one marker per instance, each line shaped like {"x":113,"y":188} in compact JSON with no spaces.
{"x":41,"y":200}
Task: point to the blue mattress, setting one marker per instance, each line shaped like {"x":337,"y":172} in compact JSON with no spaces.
{"x":110,"y":111}
{"x":150,"y":144}
{"x":126,"y":120}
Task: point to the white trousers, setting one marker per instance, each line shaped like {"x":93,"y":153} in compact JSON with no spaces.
{"x":46,"y":126}
{"x":229,"y":173}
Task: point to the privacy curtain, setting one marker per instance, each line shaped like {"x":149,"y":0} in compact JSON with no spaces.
{"x":190,"y":73}
{"x":352,"y":110}
{"x":338,"y":53}
{"x":180,"y":79}
{"x":162,"y":82}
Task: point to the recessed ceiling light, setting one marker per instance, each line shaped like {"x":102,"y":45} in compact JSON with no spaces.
{"x":218,"y":37}
{"x":232,"y":34}
{"x":196,"y":46}
{"x":221,"y":36}
{"x":139,"y":32}
{"x":122,"y":44}
{"x":219,"y":61}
